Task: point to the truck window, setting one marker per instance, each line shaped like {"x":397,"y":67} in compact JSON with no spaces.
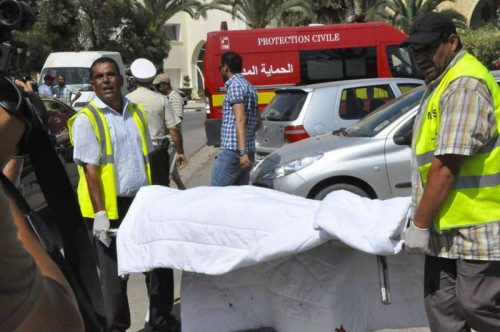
{"x":401,"y":63}
{"x":337,"y":64}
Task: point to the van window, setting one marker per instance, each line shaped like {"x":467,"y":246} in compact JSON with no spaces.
{"x":77,"y":77}
{"x":337,"y":64}
{"x":285,"y":106}
{"x":401,"y":63}
{"x":360,"y":101}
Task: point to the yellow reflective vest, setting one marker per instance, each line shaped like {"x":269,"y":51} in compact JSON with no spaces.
{"x":475,"y":197}
{"x":106,"y":167}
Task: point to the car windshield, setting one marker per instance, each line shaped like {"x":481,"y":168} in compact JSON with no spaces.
{"x":372,"y":124}
{"x":285,"y":106}
{"x":78,"y":78}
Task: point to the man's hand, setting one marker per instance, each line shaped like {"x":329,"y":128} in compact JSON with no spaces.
{"x":101,"y":223}
{"x":181,"y":161}
{"x":416,"y":239}
{"x":245,"y":161}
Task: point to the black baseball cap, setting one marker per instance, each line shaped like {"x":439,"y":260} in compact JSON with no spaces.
{"x":428,"y":28}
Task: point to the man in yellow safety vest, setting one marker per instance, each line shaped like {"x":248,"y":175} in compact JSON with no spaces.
{"x":456,"y":181}
{"x":111,"y":146}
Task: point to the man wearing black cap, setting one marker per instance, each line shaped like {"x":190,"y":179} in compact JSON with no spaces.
{"x":456,"y":181}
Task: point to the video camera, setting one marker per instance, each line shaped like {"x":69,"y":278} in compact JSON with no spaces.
{"x":17,"y":15}
{"x":14,"y":15}
{"x":77,"y":264}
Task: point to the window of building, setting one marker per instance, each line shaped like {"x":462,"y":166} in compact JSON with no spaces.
{"x":173,"y":31}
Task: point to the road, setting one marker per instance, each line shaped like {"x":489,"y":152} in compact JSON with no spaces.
{"x":193,"y":131}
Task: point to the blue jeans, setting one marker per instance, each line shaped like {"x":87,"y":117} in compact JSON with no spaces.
{"x":227,"y":170}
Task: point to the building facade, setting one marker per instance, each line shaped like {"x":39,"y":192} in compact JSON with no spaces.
{"x":188,"y":38}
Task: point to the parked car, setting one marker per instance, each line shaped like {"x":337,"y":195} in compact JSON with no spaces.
{"x":296,"y":113}
{"x":58,"y":115}
{"x":372,"y":158}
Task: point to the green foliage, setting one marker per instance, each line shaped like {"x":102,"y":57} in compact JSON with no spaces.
{"x":483,"y":43}
{"x":401,"y":13}
{"x":186,"y":81}
{"x":132,"y":27}
{"x":55,"y":30}
{"x":321,"y":11}
{"x":257,"y":13}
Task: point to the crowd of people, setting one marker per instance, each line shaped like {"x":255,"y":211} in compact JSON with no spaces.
{"x":122,"y":143}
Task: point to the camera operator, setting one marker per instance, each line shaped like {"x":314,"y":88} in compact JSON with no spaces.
{"x":34,"y":295}
{"x":49,"y":280}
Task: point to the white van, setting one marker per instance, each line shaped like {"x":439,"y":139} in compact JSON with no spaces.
{"x":75,"y":67}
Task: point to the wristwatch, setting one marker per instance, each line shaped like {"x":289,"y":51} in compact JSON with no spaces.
{"x":242,"y":152}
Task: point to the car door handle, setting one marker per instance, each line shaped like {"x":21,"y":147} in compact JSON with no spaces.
{"x":403,"y":185}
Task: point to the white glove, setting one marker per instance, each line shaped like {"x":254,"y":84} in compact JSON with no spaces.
{"x":101,"y":223}
{"x":416,"y":239}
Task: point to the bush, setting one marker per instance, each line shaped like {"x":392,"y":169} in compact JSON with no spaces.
{"x":483,"y":44}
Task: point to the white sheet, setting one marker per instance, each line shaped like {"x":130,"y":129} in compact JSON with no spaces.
{"x":265,"y":258}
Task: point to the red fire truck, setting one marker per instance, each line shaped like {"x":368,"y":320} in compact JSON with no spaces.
{"x":278,"y":57}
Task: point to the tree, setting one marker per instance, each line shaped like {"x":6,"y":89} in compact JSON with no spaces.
{"x":133,"y":28}
{"x":257,"y":13}
{"x":483,"y":44}
{"x":401,"y":13}
{"x":48,"y":34}
{"x":321,"y":11}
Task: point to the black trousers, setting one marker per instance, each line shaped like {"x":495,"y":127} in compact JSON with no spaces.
{"x":159,"y":283}
{"x":160,"y":165}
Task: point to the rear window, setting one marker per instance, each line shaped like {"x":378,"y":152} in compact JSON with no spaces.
{"x":285,"y":106}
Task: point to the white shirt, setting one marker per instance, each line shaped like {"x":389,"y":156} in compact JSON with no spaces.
{"x":130,"y":171}
{"x":161,"y":116}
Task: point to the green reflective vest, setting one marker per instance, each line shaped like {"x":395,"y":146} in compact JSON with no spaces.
{"x":106,"y":167}
{"x":475,"y":197}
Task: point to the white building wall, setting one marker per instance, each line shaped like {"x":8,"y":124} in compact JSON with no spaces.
{"x":183,"y":55}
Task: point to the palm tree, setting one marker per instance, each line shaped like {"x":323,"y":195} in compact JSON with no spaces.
{"x":322,"y":11}
{"x":401,"y":13}
{"x":257,"y":13}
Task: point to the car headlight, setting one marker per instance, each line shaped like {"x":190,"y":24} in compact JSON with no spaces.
{"x":291,"y":167}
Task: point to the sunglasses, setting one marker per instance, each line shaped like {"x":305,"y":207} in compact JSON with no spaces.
{"x":427,"y":49}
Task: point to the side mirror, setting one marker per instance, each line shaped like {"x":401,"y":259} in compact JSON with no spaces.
{"x":404,"y":139}
{"x":404,"y":134}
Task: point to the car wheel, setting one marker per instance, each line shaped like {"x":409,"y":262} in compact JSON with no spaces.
{"x":340,"y":186}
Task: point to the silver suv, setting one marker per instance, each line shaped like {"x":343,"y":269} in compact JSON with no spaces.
{"x":296,"y":113}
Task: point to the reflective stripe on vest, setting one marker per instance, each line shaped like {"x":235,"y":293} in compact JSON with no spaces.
{"x":475,"y":197}
{"x":106,"y":167}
